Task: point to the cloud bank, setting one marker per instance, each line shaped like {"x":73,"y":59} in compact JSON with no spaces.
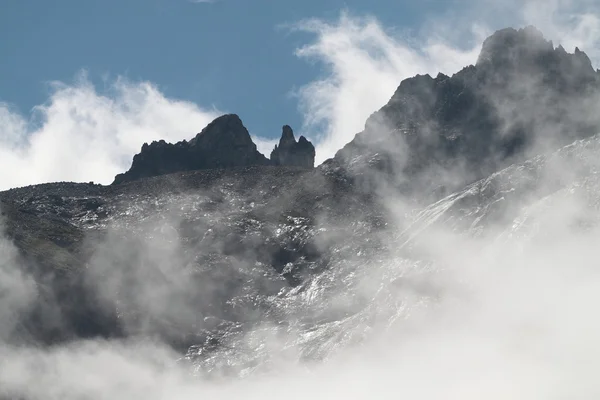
{"x":83,"y":135}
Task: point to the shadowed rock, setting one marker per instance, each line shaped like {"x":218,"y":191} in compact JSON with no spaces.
{"x":292,"y":153}
{"x":224,"y":143}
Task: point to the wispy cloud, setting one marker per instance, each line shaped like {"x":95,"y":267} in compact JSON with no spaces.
{"x":88,"y":136}
{"x":364,"y":65}
{"x":364,"y":62}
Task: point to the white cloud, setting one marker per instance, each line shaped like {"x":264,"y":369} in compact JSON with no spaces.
{"x":264,"y":145}
{"x":82,"y":135}
{"x":513,"y":319}
{"x":88,"y":136}
{"x":365,"y":66}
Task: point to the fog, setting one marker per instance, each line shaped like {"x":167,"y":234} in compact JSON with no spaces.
{"x":502,"y":311}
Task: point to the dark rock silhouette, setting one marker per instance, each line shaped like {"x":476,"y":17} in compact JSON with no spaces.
{"x":521,"y":92}
{"x":290,"y":152}
{"x":224,"y":143}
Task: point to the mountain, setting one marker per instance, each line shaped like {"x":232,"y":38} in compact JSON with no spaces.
{"x":224,"y":143}
{"x":523,"y":94}
{"x":208,"y":246}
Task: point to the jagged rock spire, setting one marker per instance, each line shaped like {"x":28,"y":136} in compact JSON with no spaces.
{"x":290,"y":152}
{"x":287,"y":136}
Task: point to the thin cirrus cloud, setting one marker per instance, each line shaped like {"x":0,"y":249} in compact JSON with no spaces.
{"x":83,"y":135}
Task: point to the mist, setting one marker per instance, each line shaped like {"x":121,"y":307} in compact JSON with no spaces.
{"x":502,"y":308}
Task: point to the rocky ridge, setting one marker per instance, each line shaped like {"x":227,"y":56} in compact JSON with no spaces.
{"x":224,"y":143}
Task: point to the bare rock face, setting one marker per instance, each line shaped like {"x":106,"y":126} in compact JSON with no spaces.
{"x":522,"y":94}
{"x":224,"y":143}
{"x":290,"y":152}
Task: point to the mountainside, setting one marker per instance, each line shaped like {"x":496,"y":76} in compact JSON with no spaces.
{"x":234,"y":232}
{"x":238,"y":262}
{"x":523,"y":96}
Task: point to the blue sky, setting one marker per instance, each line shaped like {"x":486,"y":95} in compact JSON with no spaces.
{"x":105,"y":76}
{"x":235,"y":55}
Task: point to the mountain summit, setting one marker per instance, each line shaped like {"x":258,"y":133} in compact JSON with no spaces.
{"x":526,"y":48}
{"x":224,"y":143}
{"x":522,"y":93}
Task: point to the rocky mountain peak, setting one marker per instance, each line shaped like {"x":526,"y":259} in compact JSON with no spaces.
{"x":224,"y":143}
{"x":512,"y":46}
{"x":526,"y":48}
{"x":290,"y":152}
{"x":204,"y":261}
{"x":225,"y":131}
{"x":521,"y":92}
